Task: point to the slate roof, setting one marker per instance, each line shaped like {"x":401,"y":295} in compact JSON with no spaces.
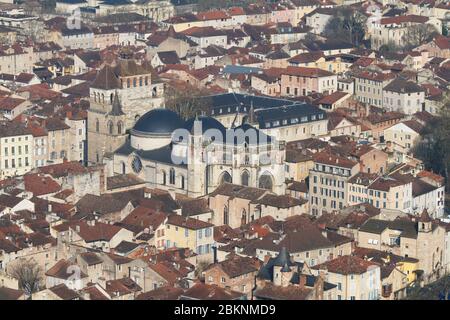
{"x":288,"y":113}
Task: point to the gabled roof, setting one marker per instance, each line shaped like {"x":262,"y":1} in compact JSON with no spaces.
{"x":61,"y":270}
{"x":236,"y":266}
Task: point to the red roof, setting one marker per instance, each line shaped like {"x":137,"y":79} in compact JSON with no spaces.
{"x":306,"y":72}
{"x":403,"y":19}
{"x":333,"y":98}
{"x":442,"y":42}
{"x":40,"y":185}
{"x":212,"y":15}
{"x":346,"y":265}
{"x":10,"y":103}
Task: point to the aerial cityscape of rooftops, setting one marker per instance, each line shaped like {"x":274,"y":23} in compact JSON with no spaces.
{"x":224,"y":150}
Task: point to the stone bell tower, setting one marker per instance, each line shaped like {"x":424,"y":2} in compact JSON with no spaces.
{"x":106,"y":128}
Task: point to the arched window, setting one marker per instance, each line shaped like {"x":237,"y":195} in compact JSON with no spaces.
{"x":119,"y":127}
{"x":225,"y":215}
{"x":182,"y":182}
{"x":97,"y":125}
{"x":243,"y":217}
{"x":244,"y":178}
{"x":164,"y":178}
{"x":146,"y":81}
{"x":140,"y":81}
{"x":103,"y":97}
{"x":225,"y":177}
{"x":172,"y":176}
{"x":134,"y":82}
{"x":95,"y":96}
{"x":111,"y":97}
{"x":123,"y":167}
{"x":128,"y":83}
{"x":266,"y":181}
{"x":110,"y":127}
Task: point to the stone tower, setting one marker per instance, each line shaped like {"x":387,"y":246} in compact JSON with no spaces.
{"x":196,"y":165}
{"x":106,"y":127}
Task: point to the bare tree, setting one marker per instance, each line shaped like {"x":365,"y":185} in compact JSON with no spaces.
{"x":29,"y":275}
{"x":187,"y":103}
{"x":417,"y":35}
{"x":201,"y":266}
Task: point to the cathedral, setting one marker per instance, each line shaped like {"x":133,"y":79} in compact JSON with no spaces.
{"x":119,"y":95}
{"x":196,"y":162}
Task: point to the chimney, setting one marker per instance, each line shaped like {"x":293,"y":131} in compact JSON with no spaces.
{"x":302,"y":280}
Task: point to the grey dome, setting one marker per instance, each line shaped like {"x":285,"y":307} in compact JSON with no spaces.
{"x":159,"y":121}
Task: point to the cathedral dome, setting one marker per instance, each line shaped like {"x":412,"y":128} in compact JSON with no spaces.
{"x":154,"y":129}
{"x":159,"y":122}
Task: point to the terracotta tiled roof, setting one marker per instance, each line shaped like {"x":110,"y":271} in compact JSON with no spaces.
{"x":306,"y":72}
{"x":40,"y":185}
{"x":290,"y":292}
{"x":334,"y":160}
{"x":188,"y":223}
{"x":404,"y":19}
{"x":236,"y":266}
{"x":162,"y":293}
{"x":61,"y":270}
{"x":201,"y":291}
{"x":346,"y":265}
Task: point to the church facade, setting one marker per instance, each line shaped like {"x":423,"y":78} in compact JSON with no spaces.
{"x":194,"y":157}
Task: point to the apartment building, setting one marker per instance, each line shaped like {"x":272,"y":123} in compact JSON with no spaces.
{"x":328,"y":181}
{"x":190,"y":233}
{"x":404,"y":96}
{"x":356,"y":278}
{"x":383,"y":192}
{"x":301,"y":81}
{"x":16,"y":145}
{"x":369,"y":86}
